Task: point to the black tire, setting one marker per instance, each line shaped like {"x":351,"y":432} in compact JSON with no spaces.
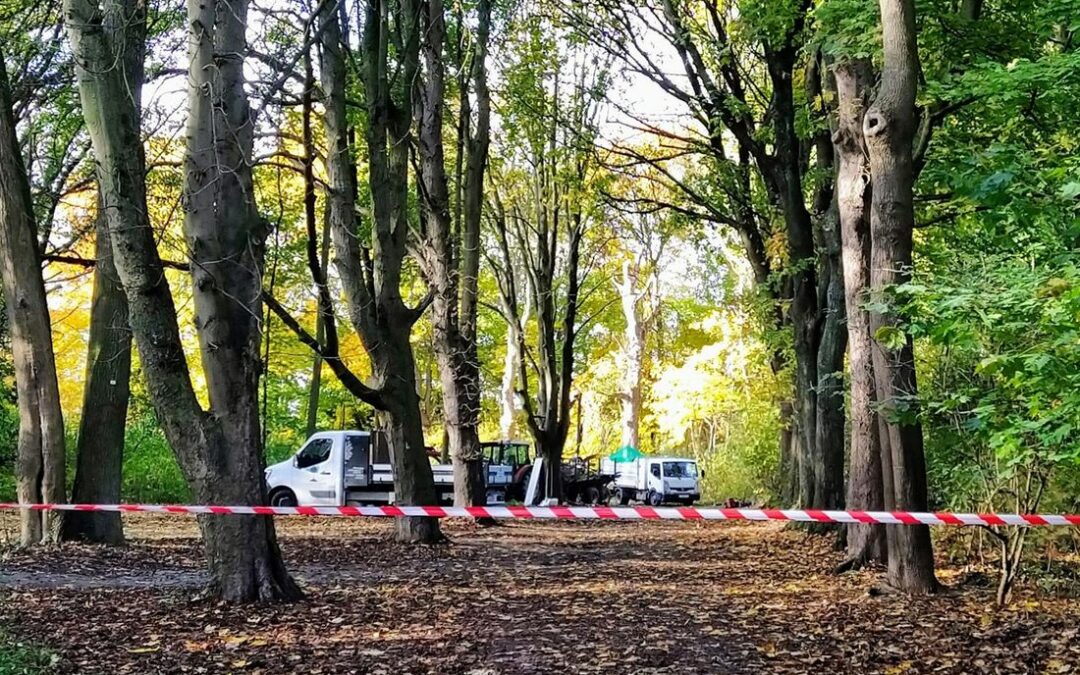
{"x":283,"y":497}
{"x":622,"y":496}
{"x":655,"y":498}
{"x":592,"y":495}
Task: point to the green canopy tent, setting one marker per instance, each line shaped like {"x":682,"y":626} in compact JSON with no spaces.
{"x":626,"y":453}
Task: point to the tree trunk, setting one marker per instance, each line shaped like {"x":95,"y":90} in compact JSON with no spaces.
{"x":507,"y":394}
{"x":219,"y":451}
{"x":889,"y":127}
{"x":318,"y":265}
{"x":820,"y":475}
{"x":829,"y":422}
{"x":865,"y":543}
{"x":413,"y":480}
{"x":633,"y":360}
{"x":315,"y":386}
{"x":39,"y":467}
{"x":551,"y":450}
{"x":789,"y":454}
{"x":100,"y":451}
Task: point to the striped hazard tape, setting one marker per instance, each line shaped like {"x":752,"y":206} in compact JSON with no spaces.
{"x":584,"y":512}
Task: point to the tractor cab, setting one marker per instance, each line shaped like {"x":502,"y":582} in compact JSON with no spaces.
{"x":511,"y":453}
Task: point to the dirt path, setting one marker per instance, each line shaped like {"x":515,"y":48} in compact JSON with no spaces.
{"x":520,"y":598}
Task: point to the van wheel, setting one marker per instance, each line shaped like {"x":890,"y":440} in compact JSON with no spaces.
{"x":283,"y":497}
{"x":655,"y":498}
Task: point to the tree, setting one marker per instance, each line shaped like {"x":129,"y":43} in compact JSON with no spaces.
{"x":219,"y":450}
{"x":541,"y":213}
{"x":450,"y":255}
{"x":372,"y":275}
{"x":100,"y":449}
{"x":40,"y":462}
{"x":889,"y":129}
{"x":854,"y":78}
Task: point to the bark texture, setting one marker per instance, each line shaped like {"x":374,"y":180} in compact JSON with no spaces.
{"x":865,"y":543}
{"x":100,"y":451}
{"x":219,"y":450}
{"x":889,"y":129}
{"x":39,"y":465}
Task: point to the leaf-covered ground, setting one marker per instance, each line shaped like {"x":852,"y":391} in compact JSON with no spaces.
{"x":519,"y":598}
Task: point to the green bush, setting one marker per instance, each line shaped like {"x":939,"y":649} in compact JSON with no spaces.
{"x":151,"y":474}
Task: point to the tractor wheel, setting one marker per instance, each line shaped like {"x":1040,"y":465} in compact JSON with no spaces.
{"x":592,"y":495}
{"x":622,"y":496}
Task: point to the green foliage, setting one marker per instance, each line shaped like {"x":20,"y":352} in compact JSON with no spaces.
{"x":151,"y":474}
{"x":1002,"y":386}
{"x":720,"y":405}
{"x":846,"y":30}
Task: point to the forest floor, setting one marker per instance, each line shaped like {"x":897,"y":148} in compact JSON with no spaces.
{"x":576,"y":597}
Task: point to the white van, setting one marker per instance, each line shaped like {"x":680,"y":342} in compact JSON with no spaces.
{"x":345,"y":468}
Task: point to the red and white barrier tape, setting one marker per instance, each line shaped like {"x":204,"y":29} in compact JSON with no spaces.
{"x":585,"y":512}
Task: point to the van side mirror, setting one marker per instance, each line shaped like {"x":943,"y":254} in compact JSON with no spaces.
{"x":703,"y":473}
{"x":296,"y":461}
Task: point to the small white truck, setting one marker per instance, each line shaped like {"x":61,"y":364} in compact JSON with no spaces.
{"x":346,"y":468}
{"x":653,"y":480}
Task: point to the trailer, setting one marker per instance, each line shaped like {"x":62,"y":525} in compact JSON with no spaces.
{"x":350,"y":468}
{"x":652,"y":480}
{"x":582,"y":480}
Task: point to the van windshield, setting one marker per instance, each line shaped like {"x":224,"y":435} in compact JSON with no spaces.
{"x":680,"y":470}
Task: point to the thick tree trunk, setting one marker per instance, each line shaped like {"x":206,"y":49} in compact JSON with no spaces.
{"x":889,"y":127}
{"x":39,"y":467}
{"x":220,"y":451}
{"x":226,"y":237}
{"x":865,"y":543}
{"x":551,"y":450}
{"x":413,"y":480}
{"x":804,"y":309}
{"x":100,"y":451}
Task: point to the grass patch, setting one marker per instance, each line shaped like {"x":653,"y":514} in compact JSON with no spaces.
{"x":19,"y":658}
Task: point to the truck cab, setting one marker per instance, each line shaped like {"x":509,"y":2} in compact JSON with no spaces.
{"x":346,"y":468}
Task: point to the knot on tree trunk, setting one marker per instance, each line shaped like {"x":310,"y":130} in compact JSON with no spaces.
{"x":875,"y":123}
